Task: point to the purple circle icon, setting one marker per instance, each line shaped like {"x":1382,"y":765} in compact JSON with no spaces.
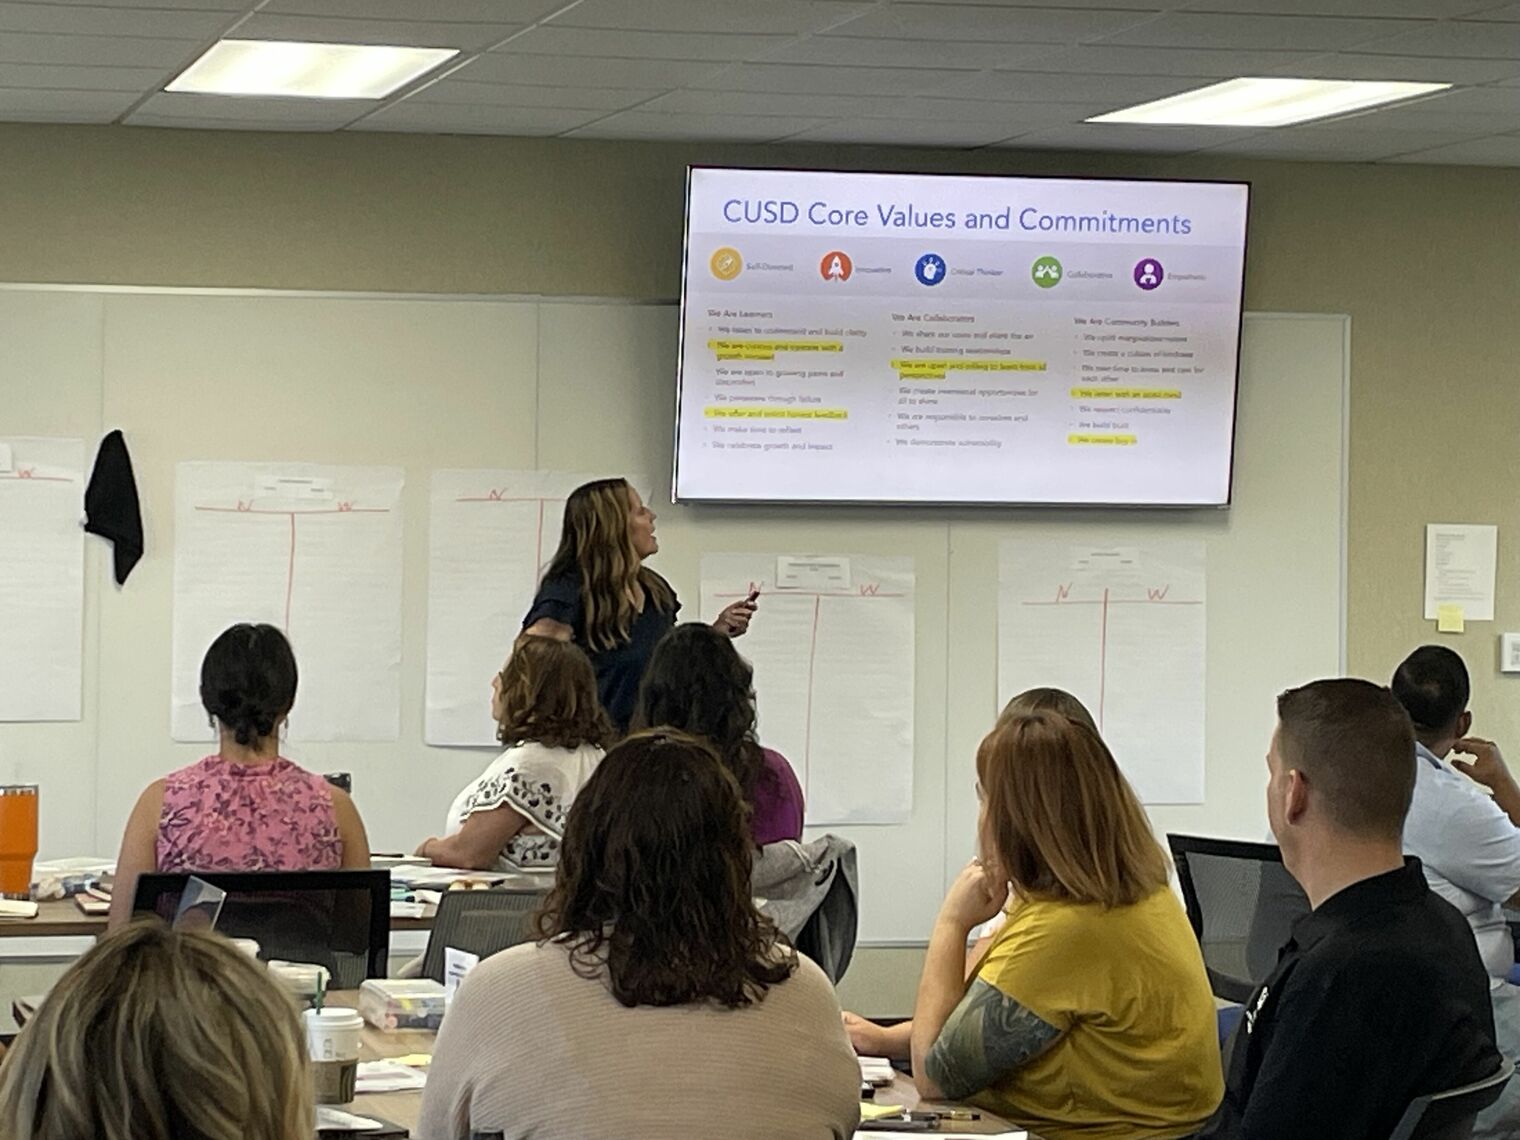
{"x":1148,"y":273}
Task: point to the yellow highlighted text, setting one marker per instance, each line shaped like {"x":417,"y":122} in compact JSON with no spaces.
{"x":776,"y":413}
{"x":767,"y":349}
{"x":931,"y":369}
{"x":1126,"y":394}
{"x":1087,"y":439}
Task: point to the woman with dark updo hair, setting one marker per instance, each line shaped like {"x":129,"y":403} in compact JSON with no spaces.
{"x":246,"y":807}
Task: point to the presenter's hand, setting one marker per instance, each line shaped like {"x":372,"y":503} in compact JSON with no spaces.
{"x":1487,"y":764}
{"x":974,"y":898}
{"x":735,"y":618}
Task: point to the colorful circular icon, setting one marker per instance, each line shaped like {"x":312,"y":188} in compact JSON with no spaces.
{"x":836,"y":266}
{"x":1149,"y":274}
{"x":930,"y":269}
{"x":726,"y":264}
{"x":1046,"y":272}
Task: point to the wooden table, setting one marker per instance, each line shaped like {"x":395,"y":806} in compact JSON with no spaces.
{"x":405,"y":1108}
{"x":62,"y":919}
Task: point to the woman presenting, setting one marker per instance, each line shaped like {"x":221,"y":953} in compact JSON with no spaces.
{"x":598,"y":593}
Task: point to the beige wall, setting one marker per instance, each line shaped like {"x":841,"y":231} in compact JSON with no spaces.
{"x":1425,"y":260}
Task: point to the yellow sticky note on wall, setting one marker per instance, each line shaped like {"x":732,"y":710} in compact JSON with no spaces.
{"x":1450,"y":618}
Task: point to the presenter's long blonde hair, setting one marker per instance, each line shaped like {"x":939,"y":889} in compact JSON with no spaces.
{"x":158,"y":1034}
{"x":595,"y":544}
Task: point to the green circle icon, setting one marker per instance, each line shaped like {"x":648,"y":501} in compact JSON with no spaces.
{"x":1046,"y":272}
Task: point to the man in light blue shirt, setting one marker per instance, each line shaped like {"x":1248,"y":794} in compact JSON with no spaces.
{"x":1468,"y":840}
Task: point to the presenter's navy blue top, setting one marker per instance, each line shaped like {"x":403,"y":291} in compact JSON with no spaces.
{"x":620,"y":669}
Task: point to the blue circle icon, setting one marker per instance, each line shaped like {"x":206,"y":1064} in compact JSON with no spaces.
{"x":930,"y":269}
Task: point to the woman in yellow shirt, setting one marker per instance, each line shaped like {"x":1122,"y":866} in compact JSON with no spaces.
{"x":1090,"y":1015}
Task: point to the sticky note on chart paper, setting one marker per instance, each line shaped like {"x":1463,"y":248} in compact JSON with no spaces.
{"x":1450,"y":618}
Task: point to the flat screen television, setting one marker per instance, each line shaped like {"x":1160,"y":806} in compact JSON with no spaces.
{"x":935,"y":339}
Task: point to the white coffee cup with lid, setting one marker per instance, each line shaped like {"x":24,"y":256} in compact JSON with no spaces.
{"x":332,"y":1040}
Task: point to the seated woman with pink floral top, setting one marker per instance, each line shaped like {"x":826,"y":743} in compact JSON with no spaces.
{"x":245,"y":807}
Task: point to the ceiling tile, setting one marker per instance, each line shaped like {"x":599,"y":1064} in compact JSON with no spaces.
{"x":778,"y":103}
{"x":1507,"y":14}
{"x":1061,"y":87}
{"x":507,"y":67}
{"x":1111,"y":59}
{"x":903,"y":132}
{"x":1121,"y":138}
{"x":277,"y":126}
{"x":1274,"y":33}
{"x":986,"y":111}
{"x":98,"y":51}
{"x":1051,"y":25}
{"x":177,"y":5}
{"x":442,"y":118}
{"x":1418,"y":119}
{"x":1308,"y":143}
{"x":1481,"y":100}
{"x":822,"y":80}
{"x":525,"y":95}
{"x":1464,"y":40}
{"x":877,"y":51}
{"x":401,"y":33}
{"x":441,"y":11}
{"x":190,"y":106}
{"x":772,"y":16}
{"x":1405,"y":9}
{"x":553,"y":40}
{"x":1418,"y":69}
{"x":731,"y":128}
{"x":71,"y":106}
{"x":1502,"y":150}
{"x":80,"y":20}
{"x":64,"y":77}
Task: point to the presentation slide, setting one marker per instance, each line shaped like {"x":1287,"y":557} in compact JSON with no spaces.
{"x":942,"y":339}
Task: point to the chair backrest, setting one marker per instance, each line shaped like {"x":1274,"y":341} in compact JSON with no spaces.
{"x":1450,"y":1115}
{"x":1242,"y":904}
{"x":337,"y":919}
{"x":480,"y":923}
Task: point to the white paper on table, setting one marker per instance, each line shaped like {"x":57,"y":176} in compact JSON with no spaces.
{"x":332,"y":1119}
{"x":249,"y":548}
{"x":1459,"y":569}
{"x":41,"y":579}
{"x":833,"y":680}
{"x":388,"y":1076}
{"x":1020,"y":1134}
{"x":490,"y":535}
{"x":1123,"y":629}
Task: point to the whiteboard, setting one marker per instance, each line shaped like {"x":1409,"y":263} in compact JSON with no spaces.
{"x":427,"y":384}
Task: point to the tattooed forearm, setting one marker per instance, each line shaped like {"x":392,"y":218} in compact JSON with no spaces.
{"x":987,"y":1036}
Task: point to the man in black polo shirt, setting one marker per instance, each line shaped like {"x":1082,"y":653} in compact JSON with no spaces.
{"x":1380,"y":995}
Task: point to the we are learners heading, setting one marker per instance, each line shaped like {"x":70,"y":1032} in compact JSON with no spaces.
{"x":781,"y":212}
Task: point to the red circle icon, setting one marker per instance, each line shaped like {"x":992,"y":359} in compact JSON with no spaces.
{"x":836,"y":266}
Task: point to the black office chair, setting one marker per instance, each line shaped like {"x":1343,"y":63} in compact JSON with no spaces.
{"x":480,"y":923}
{"x":337,"y":919}
{"x":1242,"y":904}
{"x":1450,"y":1115}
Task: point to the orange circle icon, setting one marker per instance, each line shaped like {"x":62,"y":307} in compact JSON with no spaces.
{"x":836,"y":266}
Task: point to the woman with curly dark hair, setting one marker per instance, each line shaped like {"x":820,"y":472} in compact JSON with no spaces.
{"x":661,"y":1002}
{"x":512,"y":815}
{"x":698,"y":683}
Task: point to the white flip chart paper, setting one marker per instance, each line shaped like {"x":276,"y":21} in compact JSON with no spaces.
{"x":315,"y":550}
{"x":833,"y":679}
{"x":490,"y":536}
{"x":41,"y":578}
{"x":1123,"y":629}
{"x":1459,"y":569}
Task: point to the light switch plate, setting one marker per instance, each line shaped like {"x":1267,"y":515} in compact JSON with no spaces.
{"x":1509,"y":653}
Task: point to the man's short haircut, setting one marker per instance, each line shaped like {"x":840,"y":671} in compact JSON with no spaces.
{"x":1354,"y":743}
{"x":1432,"y":686}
